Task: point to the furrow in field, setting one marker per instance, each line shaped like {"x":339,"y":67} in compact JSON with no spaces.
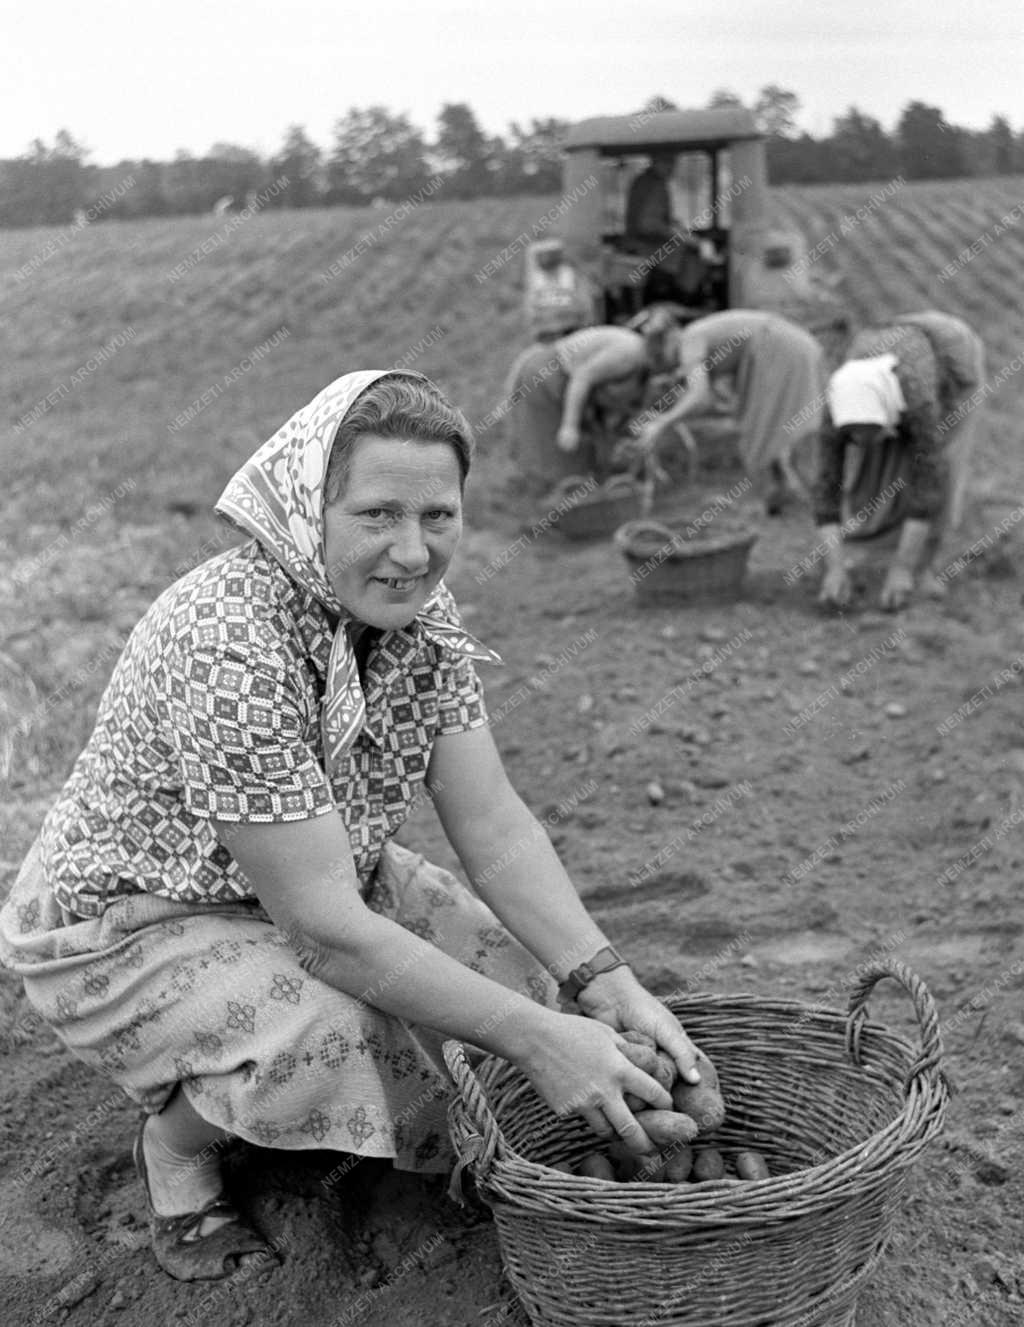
{"x":869,"y":254}
{"x":904,"y":248}
{"x":996,"y":265}
{"x":980,"y":212}
{"x":909,"y":236}
{"x":982,"y":283}
{"x":1002,"y":268}
{"x":819,"y":217}
{"x":915,"y":229}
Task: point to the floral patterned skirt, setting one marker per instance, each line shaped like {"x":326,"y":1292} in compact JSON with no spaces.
{"x":156,"y":992}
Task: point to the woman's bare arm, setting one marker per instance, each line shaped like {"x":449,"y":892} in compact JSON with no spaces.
{"x":696,"y":394}
{"x":606,"y":365}
{"x":509,"y":858}
{"x":304,"y":876}
{"x":507,"y":854}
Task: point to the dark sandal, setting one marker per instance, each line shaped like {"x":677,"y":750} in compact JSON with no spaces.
{"x":182,"y":1251}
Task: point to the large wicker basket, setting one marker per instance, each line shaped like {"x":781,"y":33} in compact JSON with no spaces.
{"x":598,"y":513}
{"x":837,"y":1104}
{"x":674,"y":564}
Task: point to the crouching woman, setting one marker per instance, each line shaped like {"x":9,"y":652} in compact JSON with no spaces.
{"x":216,"y":914}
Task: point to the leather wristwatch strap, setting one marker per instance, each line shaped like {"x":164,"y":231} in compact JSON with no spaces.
{"x":604,"y":960}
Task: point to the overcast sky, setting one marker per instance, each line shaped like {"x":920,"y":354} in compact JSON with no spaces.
{"x":130,"y":78}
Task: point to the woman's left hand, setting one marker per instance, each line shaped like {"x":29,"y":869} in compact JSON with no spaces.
{"x":618,"y":999}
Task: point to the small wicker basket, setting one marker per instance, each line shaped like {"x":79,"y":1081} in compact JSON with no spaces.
{"x":673,"y":563}
{"x":598,"y":513}
{"x":838,"y":1105}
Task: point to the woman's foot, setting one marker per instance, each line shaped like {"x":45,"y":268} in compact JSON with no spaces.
{"x":179,"y":1183}
{"x":197,"y":1234}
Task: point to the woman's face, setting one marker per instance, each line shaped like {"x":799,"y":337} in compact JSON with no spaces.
{"x":392,"y":531}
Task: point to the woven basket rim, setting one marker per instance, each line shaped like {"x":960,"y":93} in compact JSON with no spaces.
{"x":644,"y":540}
{"x":646,"y":1204}
{"x":615,"y":488}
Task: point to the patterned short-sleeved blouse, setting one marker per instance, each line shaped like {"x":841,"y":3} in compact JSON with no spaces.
{"x":939,"y":360}
{"x":213,"y":711}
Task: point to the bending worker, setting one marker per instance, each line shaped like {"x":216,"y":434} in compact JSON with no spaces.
{"x":569,"y":400}
{"x":895,"y":449}
{"x":776,"y":370}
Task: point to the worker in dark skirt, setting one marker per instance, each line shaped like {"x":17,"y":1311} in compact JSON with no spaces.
{"x":895,"y":450}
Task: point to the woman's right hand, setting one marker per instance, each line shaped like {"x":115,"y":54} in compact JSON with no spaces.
{"x":568,"y":439}
{"x":578,"y":1069}
{"x":836,"y":589}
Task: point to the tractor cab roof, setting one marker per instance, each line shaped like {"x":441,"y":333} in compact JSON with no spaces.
{"x":660,"y":131}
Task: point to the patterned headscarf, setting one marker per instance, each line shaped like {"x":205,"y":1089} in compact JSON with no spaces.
{"x":278,"y":496}
{"x":866,"y":391}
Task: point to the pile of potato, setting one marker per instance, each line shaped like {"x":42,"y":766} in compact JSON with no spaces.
{"x":698,"y":1110}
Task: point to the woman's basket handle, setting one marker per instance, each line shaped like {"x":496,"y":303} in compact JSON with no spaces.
{"x":928,"y":1062}
{"x":657,"y":535}
{"x":567,"y":486}
{"x":619,"y":485}
{"x":477,"y":1144}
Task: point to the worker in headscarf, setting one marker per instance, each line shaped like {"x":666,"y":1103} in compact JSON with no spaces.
{"x":558,"y":298}
{"x":217,"y":915}
{"x":776,"y":371}
{"x":895,"y":449}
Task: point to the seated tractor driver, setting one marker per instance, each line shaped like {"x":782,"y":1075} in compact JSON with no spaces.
{"x":649,"y":221}
{"x":674,"y":265}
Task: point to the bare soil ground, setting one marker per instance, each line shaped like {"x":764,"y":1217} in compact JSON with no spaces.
{"x":731,"y":911}
{"x":877,"y":821}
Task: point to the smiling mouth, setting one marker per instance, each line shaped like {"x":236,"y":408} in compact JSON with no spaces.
{"x":393,"y":583}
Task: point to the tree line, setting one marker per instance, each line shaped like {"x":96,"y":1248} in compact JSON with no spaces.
{"x":377,"y":154}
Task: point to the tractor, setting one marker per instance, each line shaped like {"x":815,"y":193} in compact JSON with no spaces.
{"x":716,"y":253}
{"x":669,"y":209}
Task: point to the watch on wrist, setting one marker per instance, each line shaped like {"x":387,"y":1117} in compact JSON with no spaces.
{"x":604,"y":960}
